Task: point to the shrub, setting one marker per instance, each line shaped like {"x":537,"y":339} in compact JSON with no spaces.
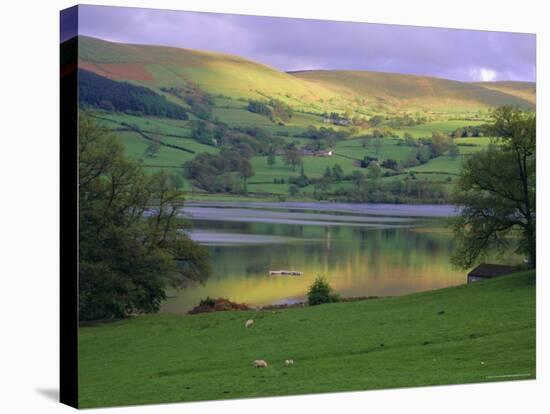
{"x":293,"y":190}
{"x":390,"y":164}
{"x":259,"y":107}
{"x":321,"y":292}
{"x":217,"y":305}
{"x":207,"y":302}
{"x":300,"y":181}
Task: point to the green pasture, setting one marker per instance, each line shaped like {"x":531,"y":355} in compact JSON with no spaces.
{"x":473,"y":333}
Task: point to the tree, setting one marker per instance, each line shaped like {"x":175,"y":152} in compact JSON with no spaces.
{"x":337,"y":172}
{"x":496,"y":192}
{"x":259,"y":107}
{"x":245,"y":170}
{"x":280,"y":111}
{"x":131,"y":243}
{"x":358,"y":179}
{"x":411,"y":160}
{"x":292,"y":156}
{"x":439,"y":143}
{"x":424,"y":154}
{"x":374,"y":171}
{"x":322,"y":185}
{"x":409,"y":140}
{"x":320,"y":292}
{"x":202,"y":132}
{"x":454,"y":151}
{"x":293,"y":190}
{"x":152,"y":149}
{"x":328,"y":173}
{"x":271,"y":160}
{"x":221,"y":172}
{"x":390,"y":164}
{"x":102,"y":92}
{"x":376,"y":120}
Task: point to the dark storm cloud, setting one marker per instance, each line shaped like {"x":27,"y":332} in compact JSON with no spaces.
{"x":298,"y":44}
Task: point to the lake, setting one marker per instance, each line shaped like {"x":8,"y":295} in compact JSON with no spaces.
{"x":362,"y":249}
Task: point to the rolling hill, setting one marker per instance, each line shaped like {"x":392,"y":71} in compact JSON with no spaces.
{"x":313,"y":91}
{"x":523,"y":90}
{"x":413,"y":91}
{"x":216,"y":73}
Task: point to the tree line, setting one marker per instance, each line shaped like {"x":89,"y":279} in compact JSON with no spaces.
{"x":103,"y":93}
{"x":274,"y":109}
{"x":226,"y":172}
{"x":200,"y":103}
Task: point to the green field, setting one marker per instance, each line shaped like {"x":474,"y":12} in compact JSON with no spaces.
{"x":443,"y":105}
{"x":472,"y":333}
{"x":347,"y":153}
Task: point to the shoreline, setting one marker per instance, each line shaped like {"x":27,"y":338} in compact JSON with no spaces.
{"x":379,"y":209}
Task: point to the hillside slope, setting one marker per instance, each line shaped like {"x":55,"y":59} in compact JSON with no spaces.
{"x":317,"y":91}
{"x":414,"y":91}
{"x":523,"y":90}
{"x":216,"y":73}
{"x":471,"y":333}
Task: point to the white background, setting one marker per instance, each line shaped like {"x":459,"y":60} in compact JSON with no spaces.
{"x":29,"y":207}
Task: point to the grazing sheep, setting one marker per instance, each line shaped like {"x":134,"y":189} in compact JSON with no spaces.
{"x":260,"y":363}
{"x":248,"y":323}
{"x":289,"y":362}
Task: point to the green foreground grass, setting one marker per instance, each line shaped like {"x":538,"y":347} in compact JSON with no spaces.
{"x":467,"y":334}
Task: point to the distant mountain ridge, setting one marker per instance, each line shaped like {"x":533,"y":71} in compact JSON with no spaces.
{"x":313,"y":90}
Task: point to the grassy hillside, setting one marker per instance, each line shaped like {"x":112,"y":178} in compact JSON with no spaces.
{"x":523,"y":90}
{"x":361,"y":92}
{"x":411,"y":91}
{"x":471,"y":333}
{"x":216,"y":73}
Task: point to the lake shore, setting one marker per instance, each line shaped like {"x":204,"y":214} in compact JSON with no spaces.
{"x":431,"y":338}
{"x":364,"y":249}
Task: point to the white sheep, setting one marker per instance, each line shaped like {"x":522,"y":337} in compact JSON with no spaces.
{"x":289,"y":362}
{"x":260,"y":363}
{"x":248,"y":323}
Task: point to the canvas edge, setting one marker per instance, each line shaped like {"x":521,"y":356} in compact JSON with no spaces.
{"x":68,"y":118}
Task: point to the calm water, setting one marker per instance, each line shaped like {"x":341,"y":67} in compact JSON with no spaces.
{"x":362,"y":250}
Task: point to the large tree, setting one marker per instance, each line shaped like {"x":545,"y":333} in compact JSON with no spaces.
{"x":292,"y":156}
{"x":132,"y":244}
{"x":496,"y":192}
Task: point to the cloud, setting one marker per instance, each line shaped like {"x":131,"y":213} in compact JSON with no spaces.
{"x":487,"y":75}
{"x":297,"y":44}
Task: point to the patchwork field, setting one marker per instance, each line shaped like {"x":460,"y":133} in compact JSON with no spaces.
{"x":428,"y":105}
{"x":347,"y":153}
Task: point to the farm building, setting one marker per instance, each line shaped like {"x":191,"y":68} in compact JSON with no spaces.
{"x":310,"y":153}
{"x":487,"y":271}
{"x":327,"y":153}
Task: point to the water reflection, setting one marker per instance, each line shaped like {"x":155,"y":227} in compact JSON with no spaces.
{"x":370,"y":257}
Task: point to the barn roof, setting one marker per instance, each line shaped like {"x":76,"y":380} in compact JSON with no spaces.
{"x":492,"y":270}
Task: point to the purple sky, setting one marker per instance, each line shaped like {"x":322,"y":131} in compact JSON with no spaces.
{"x":299,"y":44}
